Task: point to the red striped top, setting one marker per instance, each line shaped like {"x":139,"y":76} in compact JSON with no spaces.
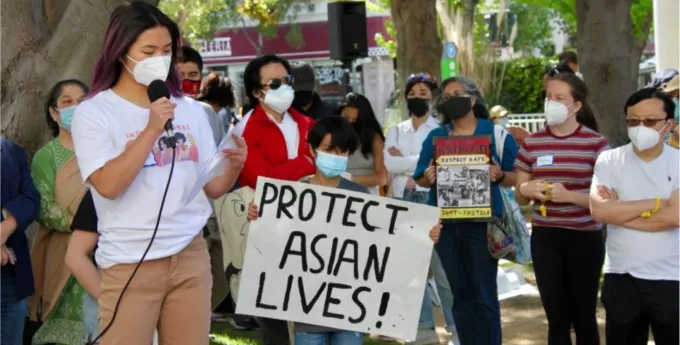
{"x":572,"y":163}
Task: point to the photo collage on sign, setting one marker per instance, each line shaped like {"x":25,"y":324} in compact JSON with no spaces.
{"x":463,"y":186}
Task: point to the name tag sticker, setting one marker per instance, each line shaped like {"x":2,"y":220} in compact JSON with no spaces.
{"x":544,"y":160}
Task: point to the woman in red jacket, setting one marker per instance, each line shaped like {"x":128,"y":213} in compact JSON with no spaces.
{"x":276,"y":135}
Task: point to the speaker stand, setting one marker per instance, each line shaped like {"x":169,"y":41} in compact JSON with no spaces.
{"x":347,"y":70}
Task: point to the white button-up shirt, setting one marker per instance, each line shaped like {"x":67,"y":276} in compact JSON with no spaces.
{"x":409,"y":141}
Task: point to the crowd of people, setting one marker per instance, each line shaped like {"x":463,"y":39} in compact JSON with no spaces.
{"x":94,"y":190}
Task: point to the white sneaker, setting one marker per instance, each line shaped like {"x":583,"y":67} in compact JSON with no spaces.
{"x":454,"y":339}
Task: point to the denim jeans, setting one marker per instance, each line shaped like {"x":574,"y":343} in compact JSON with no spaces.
{"x":13,"y":312}
{"x":471,"y":270}
{"x":329,"y":338}
{"x":444,"y":291}
{"x":426,"y":320}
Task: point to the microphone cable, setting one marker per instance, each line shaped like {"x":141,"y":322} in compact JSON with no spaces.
{"x":139,"y":264}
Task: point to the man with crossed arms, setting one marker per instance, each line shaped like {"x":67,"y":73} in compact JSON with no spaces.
{"x":635,"y":192}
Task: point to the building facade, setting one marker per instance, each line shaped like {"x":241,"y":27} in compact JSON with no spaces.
{"x":232,"y":48}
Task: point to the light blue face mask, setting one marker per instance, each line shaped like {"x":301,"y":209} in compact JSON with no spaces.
{"x":503,"y":121}
{"x":67,"y":117}
{"x":677,"y":110}
{"x":330,"y":165}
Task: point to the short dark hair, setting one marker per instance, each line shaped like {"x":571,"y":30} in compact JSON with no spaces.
{"x":218,"y":90}
{"x":568,"y":57}
{"x":553,"y":70}
{"x":191,"y":55}
{"x":343,"y":136}
{"x":251,"y":76}
{"x":651,"y":93}
{"x":54,"y":95}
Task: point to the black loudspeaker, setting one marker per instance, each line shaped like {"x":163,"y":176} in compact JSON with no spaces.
{"x":347,"y":34}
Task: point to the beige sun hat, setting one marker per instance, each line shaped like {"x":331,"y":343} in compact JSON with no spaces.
{"x":671,"y":85}
{"x":498,"y":111}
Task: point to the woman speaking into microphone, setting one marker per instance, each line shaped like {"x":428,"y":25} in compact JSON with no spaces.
{"x":141,"y":186}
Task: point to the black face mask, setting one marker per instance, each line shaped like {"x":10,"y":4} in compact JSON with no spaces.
{"x":303,"y":98}
{"x":456,"y":107}
{"x":418,"y":106}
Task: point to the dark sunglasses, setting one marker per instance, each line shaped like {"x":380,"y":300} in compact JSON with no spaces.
{"x":646,"y":122}
{"x":422,"y":77}
{"x":276,"y":83}
{"x":557,"y":69}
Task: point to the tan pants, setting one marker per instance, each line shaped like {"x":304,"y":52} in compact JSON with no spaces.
{"x":172,"y":294}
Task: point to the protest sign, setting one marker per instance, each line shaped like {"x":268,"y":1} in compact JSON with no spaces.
{"x":463,"y":183}
{"x":336,"y":258}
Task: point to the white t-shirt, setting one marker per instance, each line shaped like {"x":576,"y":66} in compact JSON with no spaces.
{"x":102,"y":128}
{"x":409,"y":141}
{"x":644,"y":255}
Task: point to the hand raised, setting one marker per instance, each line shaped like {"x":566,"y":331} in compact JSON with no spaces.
{"x":237,"y":156}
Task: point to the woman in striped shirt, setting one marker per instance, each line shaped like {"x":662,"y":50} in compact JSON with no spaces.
{"x":555,"y":169}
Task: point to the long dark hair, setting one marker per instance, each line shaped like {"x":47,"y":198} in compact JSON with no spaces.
{"x":579,"y":91}
{"x":53,"y":97}
{"x":479,"y":108}
{"x":127,"y":22}
{"x":367,"y":125}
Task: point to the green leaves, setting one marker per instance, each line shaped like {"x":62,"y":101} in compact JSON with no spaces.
{"x":522,"y":90}
{"x":199,"y":19}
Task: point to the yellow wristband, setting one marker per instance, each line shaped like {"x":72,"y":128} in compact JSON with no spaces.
{"x":648,"y":214}
{"x":658,"y":205}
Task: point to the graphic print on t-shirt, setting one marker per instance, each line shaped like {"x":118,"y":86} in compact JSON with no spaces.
{"x":161,"y":155}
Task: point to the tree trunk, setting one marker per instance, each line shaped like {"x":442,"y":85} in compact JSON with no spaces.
{"x":605,"y":46}
{"x":466,"y":57}
{"x":45,"y":41}
{"x":419,"y":48}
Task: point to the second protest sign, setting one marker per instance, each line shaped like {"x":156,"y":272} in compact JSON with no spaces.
{"x":336,"y":258}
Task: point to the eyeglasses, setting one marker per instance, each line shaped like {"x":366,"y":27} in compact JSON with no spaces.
{"x":422,"y":77}
{"x":276,"y":83}
{"x":646,"y":122}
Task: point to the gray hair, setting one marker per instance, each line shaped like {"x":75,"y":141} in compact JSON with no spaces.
{"x":471,"y":88}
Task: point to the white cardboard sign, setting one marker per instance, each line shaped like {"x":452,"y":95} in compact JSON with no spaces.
{"x":336,"y":258}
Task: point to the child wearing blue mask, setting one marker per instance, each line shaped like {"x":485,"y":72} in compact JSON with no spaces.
{"x":331,"y":141}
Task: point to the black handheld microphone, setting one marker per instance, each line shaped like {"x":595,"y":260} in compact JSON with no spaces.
{"x":157,"y":89}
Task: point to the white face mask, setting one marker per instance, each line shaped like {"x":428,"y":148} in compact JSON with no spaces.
{"x":556,"y":113}
{"x":643,"y":137}
{"x":280,"y":99}
{"x":150,"y":69}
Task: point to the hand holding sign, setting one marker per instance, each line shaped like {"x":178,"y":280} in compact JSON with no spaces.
{"x":332,"y":257}
{"x":431,"y":174}
{"x":252,"y":211}
{"x":436,"y":232}
{"x":495,"y":172}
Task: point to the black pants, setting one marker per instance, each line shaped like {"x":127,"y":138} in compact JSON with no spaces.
{"x":634,"y":304}
{"x":568,"y":264}
{"x":274,"y":332}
